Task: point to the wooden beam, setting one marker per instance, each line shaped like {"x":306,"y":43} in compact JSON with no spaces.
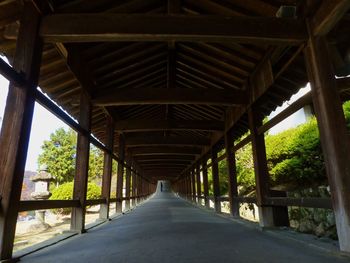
{"x":333,"y":133}
{"x":133,"y":188}
{"x":120,"y":175}
{"x":16,"y":126}
{"x":260,"y":169}
{"x":198,"y":181}
{"x":205,"y":182}
{"x":165,"y":150}
{"x":145,"y":96}
{"x":82,"y":165}
{"x":107,"y":169}
{"x":149,"y":140}
{"x":119,"y":27}
{"x":216,"y":180}
{"x":164,"y":157}
{"x":232,"y":175}
{"x":127,"y":183}
{"x":161,"y":125}
{"x":328,"y":15}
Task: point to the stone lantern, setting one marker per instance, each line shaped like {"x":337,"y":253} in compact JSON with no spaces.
{"x":41,"y":190}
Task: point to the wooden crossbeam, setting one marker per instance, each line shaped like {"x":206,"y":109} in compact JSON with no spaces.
{"x":327,"y":15}
{"x":138,"y":141}
{"x":161,"y":125}
{"x":164,"y":157}
{"x":144,"y":96}
{"x":165,"y":150}
{"x":122,"y":27}
{"x":162,"y":161}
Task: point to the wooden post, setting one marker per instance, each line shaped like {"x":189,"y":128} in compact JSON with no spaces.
{"x":133,"y":191}
{"x":16,"y":126}
{"x":199,"y":186}
{"x":120,"y":175}
{"x":82,"y":165}
{"x":232,"y":176}
{"x":333,"y":133}
{"x":107,"y":169}
{"x":205,"y":182}
{"x":216,"y":181}
{"x":127,"y":182}
{"x":193,"y":183}
{"x":260,"y":169}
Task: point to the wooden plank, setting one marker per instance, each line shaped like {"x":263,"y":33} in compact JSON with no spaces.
{"x":146,"y":96}
{"x":10,"y":74}
{"x":82,"y":166}
{"x":133,"y":125}
{"x":100,"y":201}
{"x":120,"y":27}
{"x":216,"y":180}
{"x":107,"y":169}
{"x":301,"y":202}
{"x":169,"y":157}
{"x":232,"y":175}
{"x":16,"y":126}
{"x":31,"y":205}
{"x":260,"y":169}
{"x":328,"y":15}
{"x":155,"y":141}
{"x":120,"y":175}
{"x":333,"y":133}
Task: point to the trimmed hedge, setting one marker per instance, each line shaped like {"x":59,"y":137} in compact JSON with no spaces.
{"x":65,"y":192}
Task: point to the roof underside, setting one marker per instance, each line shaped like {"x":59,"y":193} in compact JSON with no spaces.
{"x":163,"y":137}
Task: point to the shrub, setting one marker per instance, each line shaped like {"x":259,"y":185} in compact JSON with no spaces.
{"x":65,"y":192}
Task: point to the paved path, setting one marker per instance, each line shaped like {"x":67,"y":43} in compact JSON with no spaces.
{"x":168,"y":229}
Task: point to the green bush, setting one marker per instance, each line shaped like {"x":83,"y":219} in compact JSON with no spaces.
{"x":65,"y":192}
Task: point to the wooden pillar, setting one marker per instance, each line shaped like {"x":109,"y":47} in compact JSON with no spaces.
{"x":133,"y":191}
{"x":127,"y":182}
{"x":260,"y":169}
{"x":107,"y":169}
{"x":333,"y":133}
{"x":205,"y":182}
{"x":216,"y":181}
{"x":120,"y":175}
{"x":232,"y":176}
{"x":199,"y":187}
{"x":193,"y":183}
{"x":188,"y":186}
{"x":82,"y":165}
{"x":16,"y":126}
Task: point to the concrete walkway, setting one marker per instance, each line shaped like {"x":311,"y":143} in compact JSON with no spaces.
{"x":169,"y":229}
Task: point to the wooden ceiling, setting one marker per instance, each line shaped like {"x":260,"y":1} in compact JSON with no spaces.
{"x":171,"y":91}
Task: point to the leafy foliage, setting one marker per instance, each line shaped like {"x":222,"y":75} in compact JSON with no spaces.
{"x":65,"y":192}
{"x":59,"y":155}
{"x":294,"y":155}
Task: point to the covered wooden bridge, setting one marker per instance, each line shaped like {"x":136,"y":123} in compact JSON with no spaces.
{"x":163,"y":86}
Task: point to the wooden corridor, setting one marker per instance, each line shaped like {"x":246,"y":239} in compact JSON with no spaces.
{"x":169,"y":230}
{"x":168,"y":89}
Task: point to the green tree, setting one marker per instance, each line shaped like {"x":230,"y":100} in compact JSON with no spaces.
{"x":58,"y":154}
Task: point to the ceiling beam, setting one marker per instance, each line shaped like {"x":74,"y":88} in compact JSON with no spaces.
{"x":125,"y":27}
{"x":165,"y":150}
{"x":144,"y":96}
{"x":164,"y":157}
{"x":164,"y":125}
{"x":149,"y":140}
{"x":328,"y":15}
